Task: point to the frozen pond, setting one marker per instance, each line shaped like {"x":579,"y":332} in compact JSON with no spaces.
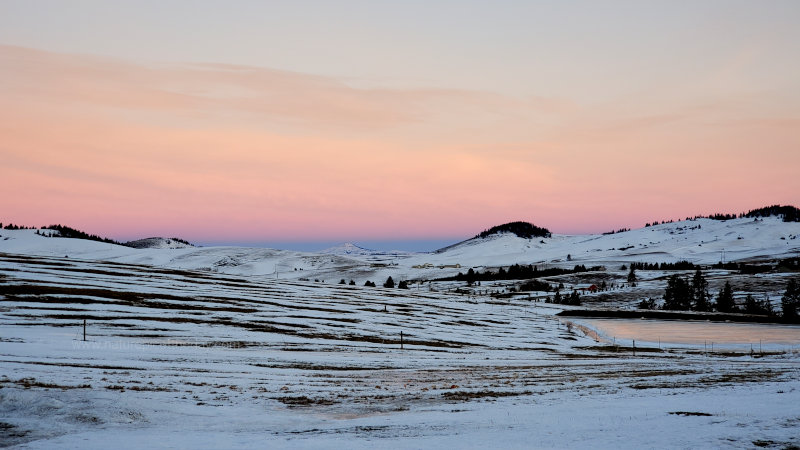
{"x":694,"y":332}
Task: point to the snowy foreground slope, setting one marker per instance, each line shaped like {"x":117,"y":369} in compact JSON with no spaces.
{"x":200,"y":359}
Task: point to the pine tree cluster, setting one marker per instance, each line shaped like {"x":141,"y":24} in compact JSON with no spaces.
{"x":68,"y":232}
{"x":680,"y":265}
{"x":682,"y":294}
{"x":573,"y":299}
{"x":524,"y":230}
{"x":517,"y":272}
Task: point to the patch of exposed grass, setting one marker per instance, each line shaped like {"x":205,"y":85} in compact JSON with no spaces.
{"x":28,"y":383}
{"x":304,"y":401}
{"x":473,"y":395}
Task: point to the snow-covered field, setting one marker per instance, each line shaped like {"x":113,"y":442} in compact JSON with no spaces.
{"x":210,"y":348}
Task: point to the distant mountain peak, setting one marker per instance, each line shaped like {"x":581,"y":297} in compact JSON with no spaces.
{"x":348,"y":248}
{"x":351,"y":249}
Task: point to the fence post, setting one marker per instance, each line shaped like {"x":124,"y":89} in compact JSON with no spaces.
{"x":634,"y":347}
{"x":401,"y":339}
{"x":84,"y":329}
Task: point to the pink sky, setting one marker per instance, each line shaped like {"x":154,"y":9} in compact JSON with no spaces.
{"x":216,"y":151}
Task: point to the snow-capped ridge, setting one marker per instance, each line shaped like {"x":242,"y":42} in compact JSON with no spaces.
{"x":159,"y":242}
{"x":348,"y":248}
{"x":351,"y":249}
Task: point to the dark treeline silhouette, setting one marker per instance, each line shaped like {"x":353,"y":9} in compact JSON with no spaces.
{"x":69,"y":232}
{"x":11,"y":226}
{"x":572,"y":299}
{"x":517,"y":272}
{"x":750,"y":269}
{"x":680,"y":265}
{"x":621,"y":230}
{"x":719,"y":216}
{"x":534,"y":285}
{"x":655,"y":222}
{"x":788,"y":212}
{"x":790,"y":264}
{"x":524,"y":230}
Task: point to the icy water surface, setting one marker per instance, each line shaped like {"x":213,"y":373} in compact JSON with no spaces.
{"x":695,"y":332}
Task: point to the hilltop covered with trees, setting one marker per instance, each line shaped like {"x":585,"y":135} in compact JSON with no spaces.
{"x":788,"y":213}
{"x":69,"y":232}
{"x":524,"y":230}
{"x":63,"y":231}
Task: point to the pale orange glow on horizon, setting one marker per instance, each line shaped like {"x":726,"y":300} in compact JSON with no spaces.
{"x":217,"y":152}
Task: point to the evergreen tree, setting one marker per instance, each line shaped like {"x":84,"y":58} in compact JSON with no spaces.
{"x":700,"y":295}
{"x":470,"y":276}
{"x":632,"y":276}
{"x":403,"y":284}
{"x":352,"y":283}
{"x":677,"y":295}
{"x":725,"y":299}
{"x":557,"y":297}
{"x":767,"y":305}
{"x":791,"y":301}
{"x":647,"y":303}
{"x":753,"y":306}
{"x":389,"y":283}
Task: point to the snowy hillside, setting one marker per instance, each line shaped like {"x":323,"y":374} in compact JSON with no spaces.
{"x":235,"y":260}
{"x":702,"y":241}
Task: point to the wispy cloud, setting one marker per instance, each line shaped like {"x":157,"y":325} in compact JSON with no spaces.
{"x":276,"y":154}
